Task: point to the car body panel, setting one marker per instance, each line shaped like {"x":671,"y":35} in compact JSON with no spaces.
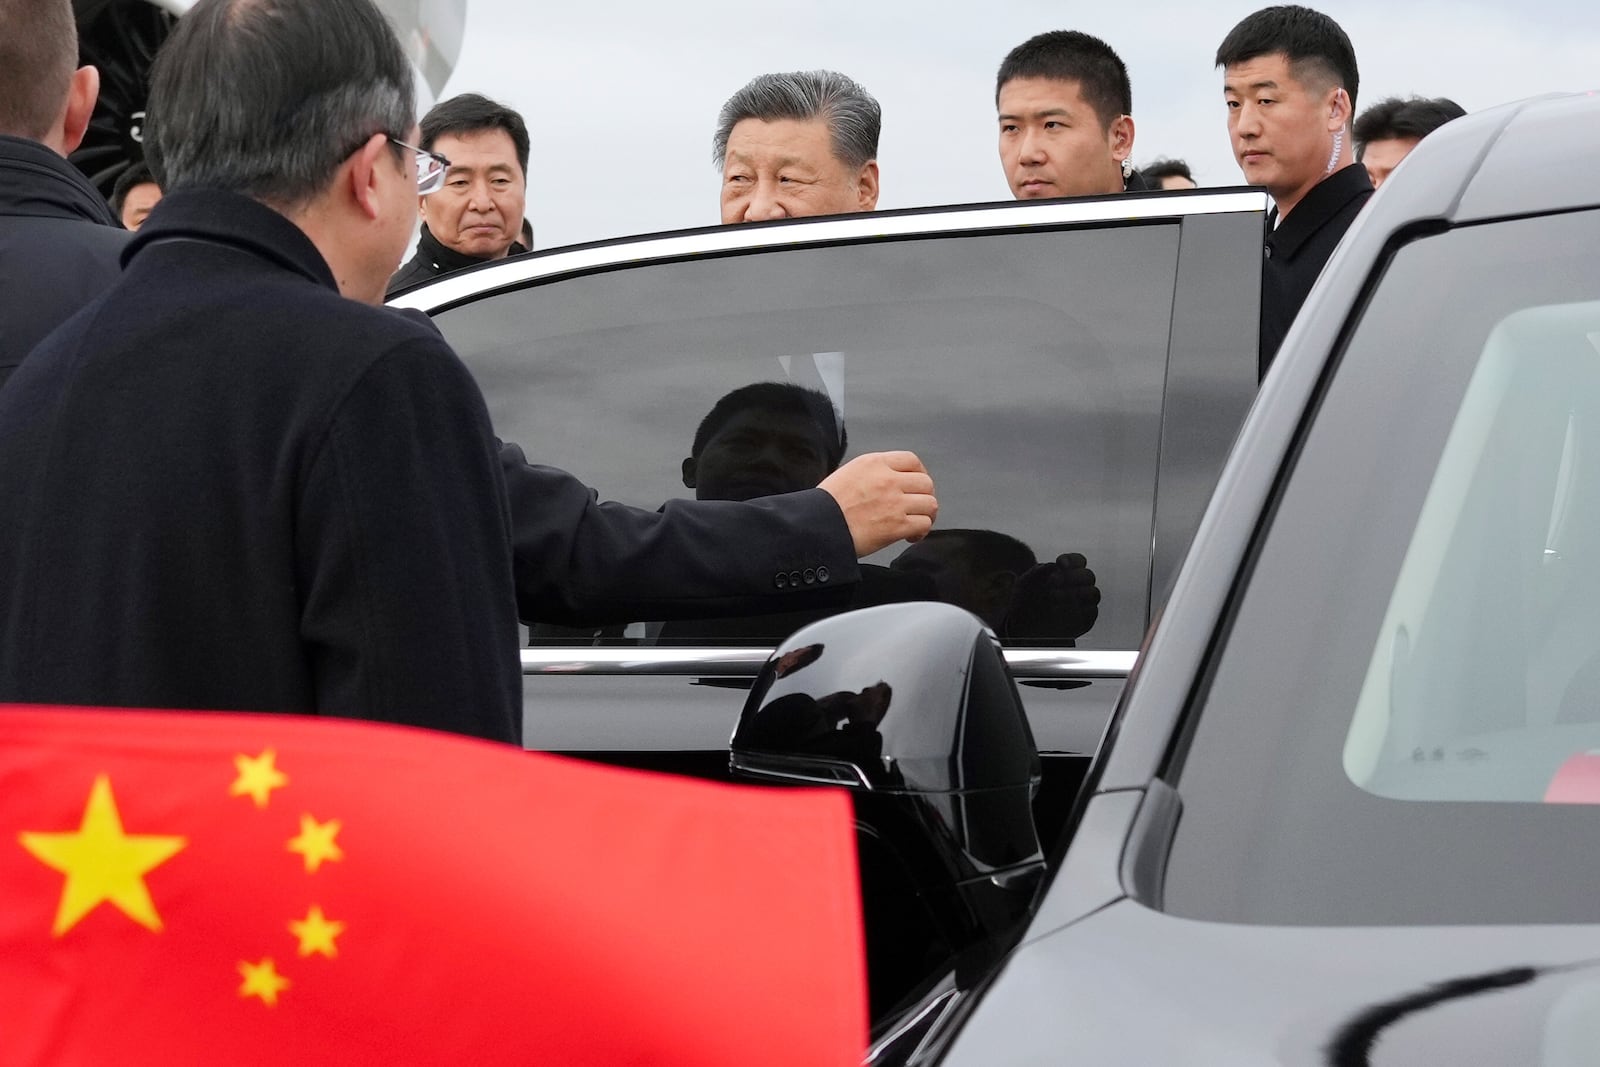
{"x":1128,"y":985}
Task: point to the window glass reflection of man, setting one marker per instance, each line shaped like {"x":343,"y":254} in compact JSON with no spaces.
{"x":762,"y":440}
{"x":972,"y":569}
{"x":777,"y":437}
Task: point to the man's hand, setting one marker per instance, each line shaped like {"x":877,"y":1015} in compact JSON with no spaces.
{"x":886,"y":497}
{"x":1054,"y":600}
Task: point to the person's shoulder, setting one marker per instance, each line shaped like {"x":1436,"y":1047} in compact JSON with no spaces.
{"x":46,"y":239}
{"x":412,"y":272}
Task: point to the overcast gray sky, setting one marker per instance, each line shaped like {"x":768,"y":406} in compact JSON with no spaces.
{"x":621,"y":97}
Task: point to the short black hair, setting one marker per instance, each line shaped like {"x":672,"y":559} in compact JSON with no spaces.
{"x":472,"y":113}
{"x":1166,"y":168}
{"x":1313,"y":43}
{"x":989,"y":550}
{"x":781,"y":397}
{"x":38,"y":54}
{"x":133,"y":174}
{"x":1070,"y":56}
{"x":1397,"y":119}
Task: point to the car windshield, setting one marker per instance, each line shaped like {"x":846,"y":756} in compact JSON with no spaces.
{"x":1404,"y":724}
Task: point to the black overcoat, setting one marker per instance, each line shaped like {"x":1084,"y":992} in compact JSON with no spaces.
{"x":225,"y":485}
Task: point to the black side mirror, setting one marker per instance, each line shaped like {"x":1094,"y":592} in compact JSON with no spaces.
{"x":911,"y":708}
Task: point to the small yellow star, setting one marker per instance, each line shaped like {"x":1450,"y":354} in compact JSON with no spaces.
{"x":316,"y":933}
{"x":316,"y":842}
{"x":257,"y":777}
{"x":262,"y":980}
{"x":103,"y":863}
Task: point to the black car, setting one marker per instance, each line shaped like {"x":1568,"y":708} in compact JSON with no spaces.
{"x":1343,"y":813}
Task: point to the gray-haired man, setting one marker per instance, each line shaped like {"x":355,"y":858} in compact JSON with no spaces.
{"x":797,"y":144}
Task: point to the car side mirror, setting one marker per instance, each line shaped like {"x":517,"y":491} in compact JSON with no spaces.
{"x":911,"y":708}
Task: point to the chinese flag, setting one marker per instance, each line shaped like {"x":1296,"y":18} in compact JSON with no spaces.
{"x":250,"y":889}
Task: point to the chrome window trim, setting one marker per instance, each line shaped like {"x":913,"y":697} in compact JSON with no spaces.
{"x":1025,"y":663}
{"x":520,"y":270}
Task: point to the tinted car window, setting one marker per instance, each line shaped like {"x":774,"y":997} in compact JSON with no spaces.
{"x":1411,"y":685}
{"x":1026,"y":369}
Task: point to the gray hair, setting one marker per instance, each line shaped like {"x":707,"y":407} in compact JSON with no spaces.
{"x":268,"y":97}
{"x":853,"y":116}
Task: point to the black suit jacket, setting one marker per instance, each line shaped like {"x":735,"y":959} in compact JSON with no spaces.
{"x":59,"y":246}
{"x":580,"y":562}
{"x":1297,"y":249}
{"x":227,"y":486}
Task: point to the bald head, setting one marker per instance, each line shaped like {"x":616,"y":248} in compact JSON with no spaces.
{"x":38,"y":54}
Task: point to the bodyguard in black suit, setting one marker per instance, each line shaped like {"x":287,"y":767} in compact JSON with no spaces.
{"x":1290,"y":82}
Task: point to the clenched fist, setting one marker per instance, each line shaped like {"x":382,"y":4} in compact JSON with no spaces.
{"x":886,"y":497}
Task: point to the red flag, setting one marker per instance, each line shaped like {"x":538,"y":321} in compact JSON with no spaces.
{"x":199,"y":888}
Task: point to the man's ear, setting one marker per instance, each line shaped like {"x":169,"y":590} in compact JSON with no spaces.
{"x":1121,"y":137}
{"x":689,"y":469}
{"x":867,"y":186}
{"x":366,"y":175}
{"x":1338,"y":110}
{"x":82,"y":92}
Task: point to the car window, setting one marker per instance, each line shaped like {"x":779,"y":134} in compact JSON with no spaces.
{"x":1516,"y":493}
{"x":1026,"y":370}
{"x":1404,"y":723}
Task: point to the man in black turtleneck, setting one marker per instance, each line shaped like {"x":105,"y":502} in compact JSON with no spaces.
{"x":477,"y":216}
{"x":59,"y":240}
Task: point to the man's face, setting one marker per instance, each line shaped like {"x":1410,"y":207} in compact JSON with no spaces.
{"x":787,"y":170}
{"x":1281,"y":129}
{"x":138,"y":202}
{"x":1052,"y":143}
{"x":479,"y":210}
{"x":759,"y":453}
{"x":1381,"y":157}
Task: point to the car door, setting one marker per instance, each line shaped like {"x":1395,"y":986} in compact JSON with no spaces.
{"x":1072,"y":374}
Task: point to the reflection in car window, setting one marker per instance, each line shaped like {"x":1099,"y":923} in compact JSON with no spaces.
{"x":1025,"y":369}
{"x":1410,"y":691}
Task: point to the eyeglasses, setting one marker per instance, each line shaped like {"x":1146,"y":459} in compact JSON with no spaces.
{"x":431,"y":167}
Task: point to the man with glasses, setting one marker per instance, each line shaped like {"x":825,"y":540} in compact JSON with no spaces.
{"x":230,"y":481}
{"x":476,"y":152}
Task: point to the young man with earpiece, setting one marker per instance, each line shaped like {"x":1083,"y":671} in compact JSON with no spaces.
{"x":1290,"y":81}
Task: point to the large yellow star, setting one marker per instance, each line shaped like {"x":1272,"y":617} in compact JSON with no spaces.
{"x":102,"y":863}
{"x":316,"y":933}
{"x":257,"y":777}
{"x":316,"y":842}
{"x":262,"y":980}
